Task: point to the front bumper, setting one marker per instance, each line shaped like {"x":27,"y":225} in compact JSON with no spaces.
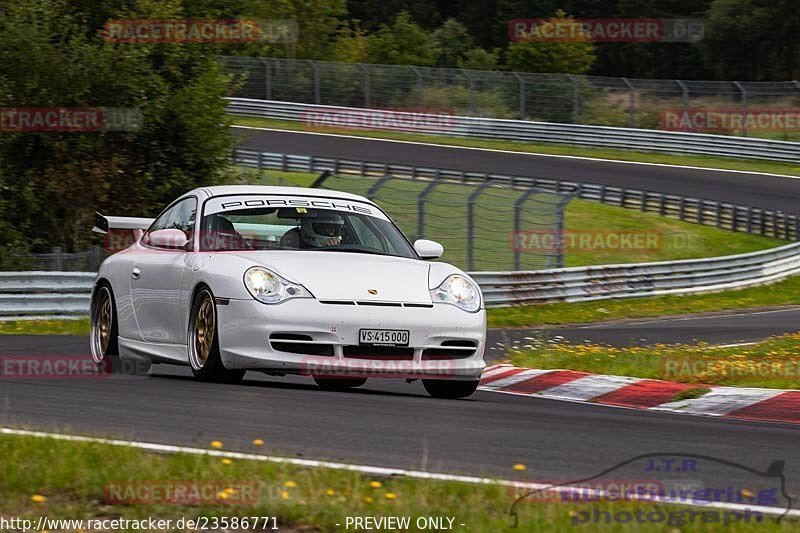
{"x":245,"y":328}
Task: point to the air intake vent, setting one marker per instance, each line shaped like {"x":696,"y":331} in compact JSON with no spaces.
{"x":453,"y":349}
{"x":299,"y":344}
{"x":378,"y":352}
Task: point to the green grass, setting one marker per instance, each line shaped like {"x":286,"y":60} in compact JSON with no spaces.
{"x":786,"y":292}
{"x":79,"y":326}
{"x":772,"y":363}
{"x":747,"y":165}
{"x":445,"y":216}
{"x":69,"y":480}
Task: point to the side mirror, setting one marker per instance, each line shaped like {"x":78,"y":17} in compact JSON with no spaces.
{"x":428,"y":249}
{"x":171,"y":238}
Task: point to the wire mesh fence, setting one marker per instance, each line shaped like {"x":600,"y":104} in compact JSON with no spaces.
{"x":56,"y":261}
{"x":563,"y":98}
{"x":476,"y":223}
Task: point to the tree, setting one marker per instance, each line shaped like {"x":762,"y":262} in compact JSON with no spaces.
{"x":53,"y":182}
{"x":453,"y":41}
{"x":753,"y":39}
{"x":480,"y":59}
{"x":351,"y":44}
{"x":570,"y":57}
{"x":402,"y":43}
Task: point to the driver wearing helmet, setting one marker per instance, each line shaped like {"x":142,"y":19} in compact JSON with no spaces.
{"x":321,"y":231}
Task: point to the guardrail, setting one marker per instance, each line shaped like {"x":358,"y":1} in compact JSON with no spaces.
{"x":722,"y":215}
{"x":50,"y":293}
{"x":320,"y":116}
{"x":30,"y":294}
{"x":643,"y":279}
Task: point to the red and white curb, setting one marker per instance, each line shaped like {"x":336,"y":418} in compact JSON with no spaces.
{"x":774,"y":405}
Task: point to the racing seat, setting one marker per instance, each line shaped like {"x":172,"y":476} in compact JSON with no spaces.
{"x":221,"y":234}
{"x":291,"y":239}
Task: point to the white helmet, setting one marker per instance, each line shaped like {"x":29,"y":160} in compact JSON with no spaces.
{"x":316,"y":231}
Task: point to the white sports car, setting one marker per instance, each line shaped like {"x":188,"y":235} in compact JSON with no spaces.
{"x":287,"y":280}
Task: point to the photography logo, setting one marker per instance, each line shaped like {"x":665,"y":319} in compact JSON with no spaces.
{"x":688,"y":489}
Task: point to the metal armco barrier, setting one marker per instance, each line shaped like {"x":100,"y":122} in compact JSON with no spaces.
{"x":582,"y":284}
{"x":51,"y":292}
{"x":696,"y":210}
{"x":45,"y":293}
{"x":320,"y":116}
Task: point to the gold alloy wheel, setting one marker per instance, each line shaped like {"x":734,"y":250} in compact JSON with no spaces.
{"x":105,"y":319}
{"x":102,"y":324}
{"x":204,"y":328}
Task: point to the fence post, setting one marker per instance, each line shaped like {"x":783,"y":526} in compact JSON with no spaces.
{"x":576,"y":99}
{"x":420,"y":87}
{"x":380,"y":183}
{"x":469,"y":92}
{"x":315,"y":71}
{"x":58,"y":259}
{"x":517,"y":227}
{"x":94,"y":257}
{"x":560,"y":231}
{"x":471,"y":222}
{"x":631,"y":101}
{"x":267,"y":79}
{"x":365,"y":70}
{"x":744,"y":104}
{"x":421,"y":204}
{"x":685,"y":94}
{"x":521,"y":82}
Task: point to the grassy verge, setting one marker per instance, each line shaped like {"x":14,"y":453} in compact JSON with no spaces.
{"x":78,"y":326}
{"x":446,"y":222}
{"x":543,"y":148}
{"x":773,"y":363}
{"x":68,"y":480}
{"x":782,"y":293}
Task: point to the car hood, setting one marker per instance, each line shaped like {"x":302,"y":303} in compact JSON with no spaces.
{"x":350,"y":276}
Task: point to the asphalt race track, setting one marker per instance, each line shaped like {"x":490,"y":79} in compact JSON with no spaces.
{"x":756,"y":190}
{"x":385,"y":423}
{"x":394,"y":424}
{"x":717,"y":328}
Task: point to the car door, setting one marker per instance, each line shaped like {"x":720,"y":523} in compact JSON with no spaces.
{"x":156,"y":275}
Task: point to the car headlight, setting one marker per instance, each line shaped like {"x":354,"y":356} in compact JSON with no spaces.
{"x":269,"y":288}
{"x":460,"y":291}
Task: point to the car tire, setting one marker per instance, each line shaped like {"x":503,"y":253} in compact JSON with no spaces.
{"x":447,"y":388}
{"x":339,"y":383}
{"x":104,"y":336}
{"x":103,"y":332}
{"x":203,"y":342}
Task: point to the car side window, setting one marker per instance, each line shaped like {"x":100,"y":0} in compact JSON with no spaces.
{"x":180,"y":216}
{"x":366,"y":235}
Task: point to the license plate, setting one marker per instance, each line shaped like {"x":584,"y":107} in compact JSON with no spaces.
{"x":383,"y":337}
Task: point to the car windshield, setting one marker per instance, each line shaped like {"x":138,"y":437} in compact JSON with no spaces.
{"x":258,"y":222}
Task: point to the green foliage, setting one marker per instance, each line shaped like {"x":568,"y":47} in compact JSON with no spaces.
{"x":753,"y":39}
{"x":351,"y":44}
{"x":453,"y":42}
{"x":53,"y":182}
{"x":480,"y":59}
{"x":570,"y":57}
{"x":403,"y":43}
